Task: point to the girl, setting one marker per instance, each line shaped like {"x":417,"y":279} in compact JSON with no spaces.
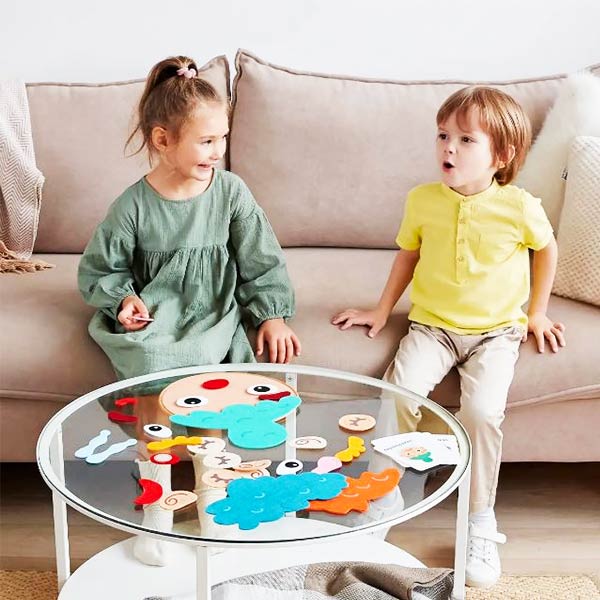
{"x":185,"y":252}
{"x":464,"y":242}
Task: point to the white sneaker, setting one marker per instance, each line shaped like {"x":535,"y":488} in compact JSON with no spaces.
{"x":483,"y":561}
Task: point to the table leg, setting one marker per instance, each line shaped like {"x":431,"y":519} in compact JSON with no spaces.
{"x":59,"y":509}
{"x":203,"y":586}
{"x":462,"y":531}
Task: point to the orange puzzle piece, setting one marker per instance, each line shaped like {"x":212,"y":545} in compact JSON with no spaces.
{"x":369,"y":486}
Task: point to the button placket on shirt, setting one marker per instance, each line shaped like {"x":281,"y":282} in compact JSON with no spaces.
{"x":461,"y":235}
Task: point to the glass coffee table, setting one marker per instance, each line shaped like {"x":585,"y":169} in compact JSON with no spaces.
{"x":168,"y":457}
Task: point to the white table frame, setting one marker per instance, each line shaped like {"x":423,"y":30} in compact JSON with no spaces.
{"x":51,"y":464}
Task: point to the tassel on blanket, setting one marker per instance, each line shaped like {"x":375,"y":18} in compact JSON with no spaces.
{"x":11,"y":263}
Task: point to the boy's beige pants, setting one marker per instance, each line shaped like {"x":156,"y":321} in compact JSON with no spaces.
{"x":486,"y":366}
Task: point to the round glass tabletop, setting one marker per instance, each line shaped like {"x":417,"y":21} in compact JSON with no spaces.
{"x":246,"y":454}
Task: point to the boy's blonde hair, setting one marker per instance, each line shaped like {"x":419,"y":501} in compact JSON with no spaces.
{"x":501,"y":117}
{"x":169,"y":99}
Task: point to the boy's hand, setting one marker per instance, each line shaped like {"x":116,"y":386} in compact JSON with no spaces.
{"x":543,"y":328}
{"x":280,"y":339}
{"x":374,"y":319}
{"x":131,"y":307}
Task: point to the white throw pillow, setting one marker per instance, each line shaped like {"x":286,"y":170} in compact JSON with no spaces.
{"x":575,"y":112}
{"x":578,"y":270}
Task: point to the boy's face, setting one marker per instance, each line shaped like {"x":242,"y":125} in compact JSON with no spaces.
{"x":201,"y":144}
{"x":464,"y":155}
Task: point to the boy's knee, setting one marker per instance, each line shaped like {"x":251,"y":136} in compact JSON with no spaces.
{"x":481,"y":414}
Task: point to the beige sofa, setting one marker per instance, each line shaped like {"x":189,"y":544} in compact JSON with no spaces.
{"x":330,"y":159}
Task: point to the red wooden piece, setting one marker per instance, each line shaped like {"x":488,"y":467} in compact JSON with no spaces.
{"x":215,"y":384}
{"x":125,"y":401}
{"x":151,"y":492}
{"x":118,"y":417}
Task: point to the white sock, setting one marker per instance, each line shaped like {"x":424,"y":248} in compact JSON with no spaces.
{"x":485,"y":519}
{"x":147,"y":550}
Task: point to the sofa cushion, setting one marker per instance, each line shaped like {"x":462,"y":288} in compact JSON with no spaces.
{"x":321,"y":152}
{"x":574,"y":113}
{"x":578,"y":269}
{"x":44,"y":322}
{"x":79,"y":132}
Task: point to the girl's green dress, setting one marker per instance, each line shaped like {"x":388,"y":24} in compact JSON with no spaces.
{"x":200,"y":265}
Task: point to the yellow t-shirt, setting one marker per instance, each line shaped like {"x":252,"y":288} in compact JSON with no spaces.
{"x":473,"y":271}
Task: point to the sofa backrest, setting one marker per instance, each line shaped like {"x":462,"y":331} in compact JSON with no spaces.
{"x":331,"y":158}
{"x":79,"y":132}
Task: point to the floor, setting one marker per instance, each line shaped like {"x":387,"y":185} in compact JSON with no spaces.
{"x":550,"y":513}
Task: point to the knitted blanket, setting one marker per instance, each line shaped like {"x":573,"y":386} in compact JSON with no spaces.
{"x":20,"y":182}
{"x":342,"y":581}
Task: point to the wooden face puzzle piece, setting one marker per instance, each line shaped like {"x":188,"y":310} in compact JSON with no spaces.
{"x":125,"y":401}
{"x":177,"y":500}
{"x":151,"y":492}
{"x":209,"y":445}
{"x":118,"y":417}
{"x":252,"y":465}
{"x":220,"y":478}
{"x":251,"y":502}
{"x":356,"y":446}
{"x":216,"y":391}
{"x":369,"y":486}
{"x":165,"y":459}
{"x":309,"y":442}
{"x":357,"y":422}
{"x":248,"y":426}
{"x":289,"y":467}
{"x":326,"y":464}
{"x":94,"y":443}
{"x":255,"y":473}
{"x":100,"y":457}
{"x":180,"y":440}
{"x":222,"y":460}
{"x":157,"y":431}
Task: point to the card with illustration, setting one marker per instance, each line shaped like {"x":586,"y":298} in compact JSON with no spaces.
{"x":419,"y":450}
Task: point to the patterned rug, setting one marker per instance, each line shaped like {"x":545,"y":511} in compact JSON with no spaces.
{"x":41,"y":585}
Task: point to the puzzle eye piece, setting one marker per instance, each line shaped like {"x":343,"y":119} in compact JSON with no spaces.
{"x":155,"y":430}
{"x":191,"y":401}
{"x":262,"y":388}
{"x":289,"y":467}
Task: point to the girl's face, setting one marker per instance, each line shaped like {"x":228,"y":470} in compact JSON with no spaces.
{"x":201,"y":143}
{"x":465,"y":155}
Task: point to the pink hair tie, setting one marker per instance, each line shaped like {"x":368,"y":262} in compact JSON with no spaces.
{"x":187,"y":73}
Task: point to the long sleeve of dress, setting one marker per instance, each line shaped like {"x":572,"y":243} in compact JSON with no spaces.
{"x":264,"y":288}
{"x":105,"y":277}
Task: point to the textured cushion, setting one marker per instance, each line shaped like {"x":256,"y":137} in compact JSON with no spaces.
{"x":331,"y":158}
{"x":578,"y":271}
{"x":44,"y":323}
{"x":79,"y":133}
{"x":574,"y":113}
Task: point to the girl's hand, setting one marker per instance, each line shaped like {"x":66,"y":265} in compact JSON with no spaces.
{"x":131,"y":307}
{"x":280,"y":339}
{"x":374,"y":319}
{"x":543,"y":328}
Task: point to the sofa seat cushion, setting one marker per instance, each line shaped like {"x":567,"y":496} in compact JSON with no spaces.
{"x":328,"y":280}
{"x":48,"y":354}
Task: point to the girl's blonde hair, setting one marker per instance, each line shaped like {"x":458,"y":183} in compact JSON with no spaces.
{"x":501,"y":117}
{"x":169,"y":99}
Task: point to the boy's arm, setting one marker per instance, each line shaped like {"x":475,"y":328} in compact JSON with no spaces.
{"x":400,"y":276}
{"x":544,"y":268}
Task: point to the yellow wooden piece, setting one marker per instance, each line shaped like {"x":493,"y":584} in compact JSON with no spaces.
{"x":356,"y":446}
{"x":180,"y":440}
